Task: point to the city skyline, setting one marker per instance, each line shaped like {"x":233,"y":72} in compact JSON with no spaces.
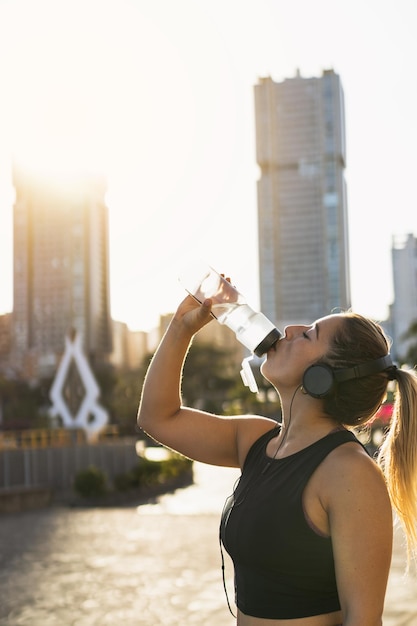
{"x":161,"y":98}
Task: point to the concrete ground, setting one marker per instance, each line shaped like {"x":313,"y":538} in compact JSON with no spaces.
{"x":157,"y":564}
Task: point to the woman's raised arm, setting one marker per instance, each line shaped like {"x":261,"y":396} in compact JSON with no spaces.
{"x":196,"y":434}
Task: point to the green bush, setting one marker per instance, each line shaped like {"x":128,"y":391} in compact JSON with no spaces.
{"x":175,"y":465}
{"x":90,"y":482}
{"x":122,"y":482}
{"x":147,"y":472}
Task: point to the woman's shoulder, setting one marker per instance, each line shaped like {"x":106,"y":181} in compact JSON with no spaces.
{"x":349,"y":467}
{"x":355,"y":498}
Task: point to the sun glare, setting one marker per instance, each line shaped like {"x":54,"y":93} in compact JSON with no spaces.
{"x":104,"y":87}
{"x":69,"y":80}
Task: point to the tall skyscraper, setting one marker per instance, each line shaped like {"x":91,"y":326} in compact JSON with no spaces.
{"x":302,"y":206}
{"x":403,"y":311}
{"x":61,"y":274}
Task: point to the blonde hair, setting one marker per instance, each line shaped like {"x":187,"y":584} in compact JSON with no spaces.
{"x":355,"y":402}
{"x":398,"y":457}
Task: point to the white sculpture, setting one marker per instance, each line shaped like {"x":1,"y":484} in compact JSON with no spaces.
{"x":90,"y":415}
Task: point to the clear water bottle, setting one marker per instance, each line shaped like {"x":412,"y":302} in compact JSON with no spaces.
{"x":229,"y":307}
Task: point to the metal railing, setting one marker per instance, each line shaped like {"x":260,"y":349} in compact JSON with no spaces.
{"x":40,"y":438}
{"x":55,"y":467}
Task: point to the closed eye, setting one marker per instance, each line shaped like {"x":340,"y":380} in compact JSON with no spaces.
{"x":305,"y":335}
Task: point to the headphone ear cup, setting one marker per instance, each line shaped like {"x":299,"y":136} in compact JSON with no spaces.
{"x":318,"y":380}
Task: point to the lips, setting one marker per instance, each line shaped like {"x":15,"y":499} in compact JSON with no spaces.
{"x":274,"y":346}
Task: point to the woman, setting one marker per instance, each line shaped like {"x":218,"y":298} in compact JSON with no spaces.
{"x":309,"y":526}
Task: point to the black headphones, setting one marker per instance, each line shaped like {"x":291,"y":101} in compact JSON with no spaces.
{"x":319,"y":379}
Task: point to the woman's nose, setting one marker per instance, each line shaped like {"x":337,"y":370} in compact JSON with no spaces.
{"x":293,"y":330}
{"x":289,"y":331}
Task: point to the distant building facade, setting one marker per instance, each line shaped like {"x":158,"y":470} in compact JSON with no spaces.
{"x":302,"y":205}
{"x":403,"y":311}
{"x":61,"y":270}
{"x":129,"y":347}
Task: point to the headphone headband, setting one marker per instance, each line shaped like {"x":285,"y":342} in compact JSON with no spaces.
{"x":364,"y":369}
{"x":319,"y":379}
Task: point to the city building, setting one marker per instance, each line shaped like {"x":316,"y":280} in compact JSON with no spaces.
{"x":129,"y":347}
{"x":302,"y":205}
{"x":61,"y":270}
{"x":403,"y":311}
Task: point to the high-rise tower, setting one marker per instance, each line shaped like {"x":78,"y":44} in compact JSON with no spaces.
{"x":403,"y":312}
{"x":302,"y":207}
{"x":61,"y":273}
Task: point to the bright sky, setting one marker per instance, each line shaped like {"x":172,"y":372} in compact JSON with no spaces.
{"x":159,"y":95}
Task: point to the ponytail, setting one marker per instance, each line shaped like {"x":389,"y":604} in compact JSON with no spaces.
{"x":398,"y":457}
{"x":355,"y":402}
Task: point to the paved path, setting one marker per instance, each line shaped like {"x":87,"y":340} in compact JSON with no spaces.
{"x":152,"y":565}
{"x":401,"y":599}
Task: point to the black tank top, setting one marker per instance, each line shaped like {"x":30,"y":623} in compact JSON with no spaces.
{"x":283,"y":568}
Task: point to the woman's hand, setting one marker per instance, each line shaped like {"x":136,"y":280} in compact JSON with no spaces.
{"x":193,"y":315}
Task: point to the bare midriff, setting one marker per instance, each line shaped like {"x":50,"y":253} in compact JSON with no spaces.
{"x":329,"y":619}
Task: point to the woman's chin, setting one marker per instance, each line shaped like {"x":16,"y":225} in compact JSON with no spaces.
{"x":264,"y":371}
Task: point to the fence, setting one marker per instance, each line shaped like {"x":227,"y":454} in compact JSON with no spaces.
{"x":55,"y":467}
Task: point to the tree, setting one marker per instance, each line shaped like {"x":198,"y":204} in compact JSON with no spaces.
{"x":212,"y":382}
{"x":124,"y":401}
{"x":208,"y":376}
{"x":21,"y":404}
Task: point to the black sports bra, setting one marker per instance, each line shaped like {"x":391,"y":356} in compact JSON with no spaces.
{"x":283,"y":568}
